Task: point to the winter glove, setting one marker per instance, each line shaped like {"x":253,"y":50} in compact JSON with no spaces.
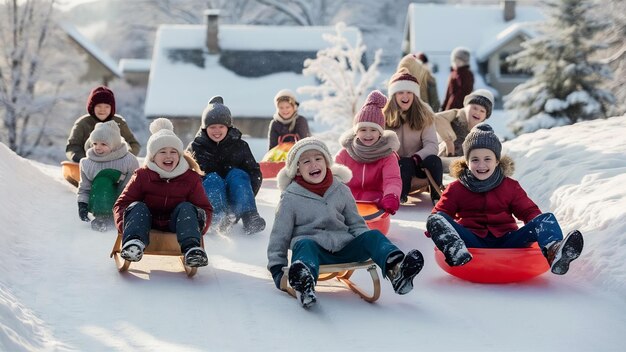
{"x":417,"y":160}
{"x":83,"y":210}
{"x":277,"y":274}
{"x":76,"y":158}
{"x":390,"y":203}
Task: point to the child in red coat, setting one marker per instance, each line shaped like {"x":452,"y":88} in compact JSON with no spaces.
{"x":370,"y":153}
{"x":477,"y":210}
{"x":165,"y":194}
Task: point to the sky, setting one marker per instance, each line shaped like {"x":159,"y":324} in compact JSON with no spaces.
{"x":60,"y":291}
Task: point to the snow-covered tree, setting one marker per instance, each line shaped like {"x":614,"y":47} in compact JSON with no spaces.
{"x":32,"y":73}
{"x":345,"y":81}
{"x":565,"y":87}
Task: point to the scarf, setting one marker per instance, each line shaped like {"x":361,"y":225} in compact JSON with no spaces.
{"x":180,"y":169}
{"x":291,"y":121}
{"x":470,"y":181}
{"x":386,"y":145}
{"x":319,"y":188}
{"x":113,"y":155}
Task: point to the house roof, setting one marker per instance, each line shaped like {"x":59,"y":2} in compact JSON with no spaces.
{"x":135,"y":65}
{"x":104,"y":59}
{"x":439,"y":28}
{"x":183,"y":76}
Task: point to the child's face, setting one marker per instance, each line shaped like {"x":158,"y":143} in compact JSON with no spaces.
{"x":101,"y":148}
{"x":217,"y":132}
{"x":167,"y":158}
{"x":404,"y":99}
{"x":475,"y":114}
{"x":312,"y":166}
{"x":482,"y":163}
{"x":102,"y":111}
{"x":368,"y":135}
{"x":285,"y":109}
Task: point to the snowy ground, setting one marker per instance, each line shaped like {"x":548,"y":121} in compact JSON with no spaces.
{"x":59,"y":290}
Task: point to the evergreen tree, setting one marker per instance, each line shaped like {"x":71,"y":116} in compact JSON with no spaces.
{"x":565,"y":85}
{"x":345,"y":81}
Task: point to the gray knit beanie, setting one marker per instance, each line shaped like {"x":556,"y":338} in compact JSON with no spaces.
{"x":106,"y":132}
{"x":216,"y":113}
{"x":480,"y":97}
{"x":308,"y":143}
{"x":482,"y":136}
{"x":461,"y":54}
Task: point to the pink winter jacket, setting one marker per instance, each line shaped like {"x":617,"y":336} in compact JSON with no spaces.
{"x":422,"y":143}
{"x":371,"y":181}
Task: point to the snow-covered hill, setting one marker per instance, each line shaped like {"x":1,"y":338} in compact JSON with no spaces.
{"x":59,"y":290}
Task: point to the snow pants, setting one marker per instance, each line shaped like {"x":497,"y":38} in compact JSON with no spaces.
{"x":183,"y":221}
{"x":371,"y":244}
{"x":104,"y":192}
{"x":408,"y":170}
{"x":231,"y":194}
{"x":543,"y":229}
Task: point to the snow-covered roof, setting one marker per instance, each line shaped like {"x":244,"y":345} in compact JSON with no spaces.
{"x":182,"y":89}
{"x":91,"y":48}
{"x":135,"y":65}
{"x":439,"y":28}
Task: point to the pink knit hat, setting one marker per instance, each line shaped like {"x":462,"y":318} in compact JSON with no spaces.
{"x":371,"y":114}
{"x":403,"y":81}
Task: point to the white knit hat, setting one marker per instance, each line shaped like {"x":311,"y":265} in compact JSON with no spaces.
{"x":301,"y":146}
{"x":287,"y":95}
{"x":162,"y":136}
{"x":481,"y":97}
{"x":106,"y":132}
{"x":402,"y":80}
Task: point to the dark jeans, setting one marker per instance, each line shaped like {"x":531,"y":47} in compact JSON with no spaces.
{"x":184,"y":222}
{"x":543,"y":229}
{"x":408,"y":170}
{"x":233,"y":193}
{"x":371,"y":244}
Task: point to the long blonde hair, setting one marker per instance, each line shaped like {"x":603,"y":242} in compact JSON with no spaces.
{"x":418,"y":116}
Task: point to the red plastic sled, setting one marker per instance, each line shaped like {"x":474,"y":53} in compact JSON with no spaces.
{"x":375,"y":218}
{"x":498,"y":265}
{"x":269,"y":169}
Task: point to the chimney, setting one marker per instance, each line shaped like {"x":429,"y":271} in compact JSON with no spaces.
{"x":212,"y":17}
{"x":508,"y":7}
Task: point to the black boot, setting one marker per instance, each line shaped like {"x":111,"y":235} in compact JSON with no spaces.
{"x":301,"y":279}
{"x":252,"y":222}
{"x":195,"y":257}
{"x":402,"y":274}
{"x":560,"y":254}
{"x":447,"y":240}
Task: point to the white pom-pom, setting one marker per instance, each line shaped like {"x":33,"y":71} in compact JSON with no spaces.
{"x":161,"y":124}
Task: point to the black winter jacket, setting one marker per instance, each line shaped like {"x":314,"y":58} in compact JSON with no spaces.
{"x":231,"y":153}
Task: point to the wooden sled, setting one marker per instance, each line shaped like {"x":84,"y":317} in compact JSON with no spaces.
{"x":342,"y":272}
{"x":161,"y":243}
{"x":71,"y":172}
{"x":420,"y":185}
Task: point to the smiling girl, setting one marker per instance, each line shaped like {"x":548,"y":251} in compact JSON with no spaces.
{"x":370,"y":152}
{"x":479,"y":210}
{"x":414,"y":123}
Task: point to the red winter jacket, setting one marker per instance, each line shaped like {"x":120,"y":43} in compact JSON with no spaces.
{"x":490,"y":211}
{"x":373,"y":180}
{"x":460,"y":84}
{"x":162,"y":196}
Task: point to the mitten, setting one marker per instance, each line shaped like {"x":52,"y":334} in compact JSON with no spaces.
{"x":83,"y":210}
{"x":417,"y":160}
{"x":390,"y":203}
{"x":277,"y":274}
{"x":76,"y":158}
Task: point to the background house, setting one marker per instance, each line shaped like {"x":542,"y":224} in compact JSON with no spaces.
{"x":491,"y":32}
{"x":244,"y":64}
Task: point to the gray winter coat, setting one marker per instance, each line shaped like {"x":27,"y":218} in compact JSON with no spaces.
{"x":331,"y":221}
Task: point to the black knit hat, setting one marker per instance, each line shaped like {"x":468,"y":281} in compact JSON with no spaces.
{"x":482,"y":136}
{"x":216,"y":113}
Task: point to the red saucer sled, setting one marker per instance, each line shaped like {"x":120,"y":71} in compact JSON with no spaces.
{"x":498,"y":265}
{"x":269,"y":169}
{"x":375,"y":218}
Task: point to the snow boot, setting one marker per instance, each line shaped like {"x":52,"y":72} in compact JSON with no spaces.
{"x":195,"y":257}
{"x":224,"y":224}
{"x":102,"y":223}
{"x":434,"y":195}
{"x":447,"y":240}
{"x":402,"y":274}
{"x":560,"y":254}
{"x":133,"y":250}
{"x":252,"y":222}
{"x":302,"y":281}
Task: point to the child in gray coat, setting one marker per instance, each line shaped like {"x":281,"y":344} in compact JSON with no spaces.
{"x":318,"y":220}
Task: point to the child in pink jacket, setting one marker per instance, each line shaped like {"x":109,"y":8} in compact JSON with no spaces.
{"x":370,"y":152}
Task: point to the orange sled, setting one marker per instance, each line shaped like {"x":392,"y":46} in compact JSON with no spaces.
{"x":375,"y":218}
{"x":71,"y":172}
{"x":269,"y":169}
{"x":498,"y":265}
